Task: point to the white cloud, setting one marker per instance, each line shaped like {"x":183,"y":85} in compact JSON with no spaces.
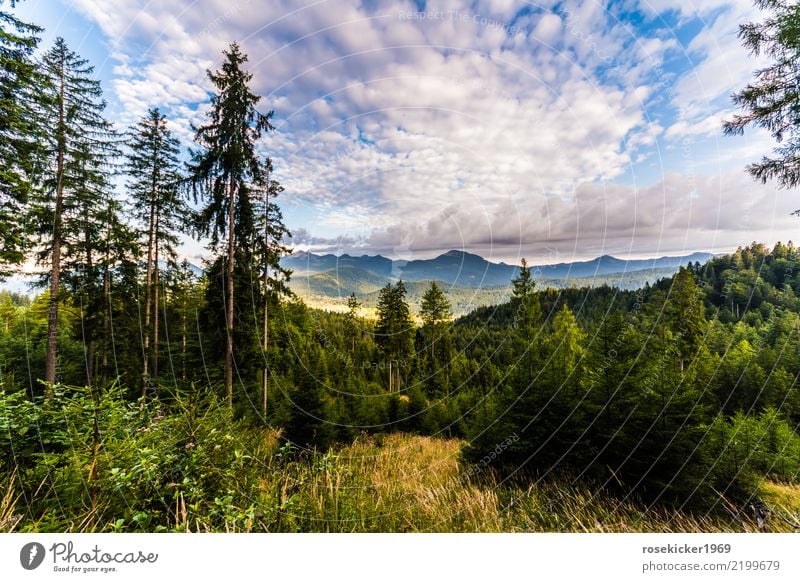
{"x":720,"y":66}
{"x":680,"y":213}
{"x":462,"y":127}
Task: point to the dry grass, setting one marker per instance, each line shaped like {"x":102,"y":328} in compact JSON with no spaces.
{"x":395,"y":483}
{"x":784,"y":499}
{"x":402,"y":483}
{"x":8,"y":503}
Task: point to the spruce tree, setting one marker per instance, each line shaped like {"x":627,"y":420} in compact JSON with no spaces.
{"x":227,"y":172}
{"x":153,"y":168}
{"x":352,"y":326}
{"x":527,"y":311}
{"x":394,"y":331}
{"x":184,"y":295}
{"x":96,"y":243}
{"x":527,"y":315}
{"x":770,"y":101}
{"x":19,"y":134}
{"x":270,"y":233}
{"x":685,"y":315}
{"x":79,"y":145}
{"x":613,"y":380}
{"x":434,"y":311}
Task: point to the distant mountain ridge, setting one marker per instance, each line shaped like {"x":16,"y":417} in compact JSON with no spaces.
{"x":335,"y":276}
{"x":463,"y":269}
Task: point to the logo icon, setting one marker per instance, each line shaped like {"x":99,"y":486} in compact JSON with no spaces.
{"x":31,"y":555}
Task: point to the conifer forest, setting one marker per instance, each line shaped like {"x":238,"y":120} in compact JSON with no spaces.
{"x":146,"y":390}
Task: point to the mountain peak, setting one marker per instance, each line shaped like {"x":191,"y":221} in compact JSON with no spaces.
{"x":455,"y":254}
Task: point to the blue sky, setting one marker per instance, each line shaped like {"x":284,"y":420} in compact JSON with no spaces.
{"x":552,"y":130}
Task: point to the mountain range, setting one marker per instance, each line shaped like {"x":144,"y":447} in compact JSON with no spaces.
{"x":461,"y":269}
{"x":469,"y":279}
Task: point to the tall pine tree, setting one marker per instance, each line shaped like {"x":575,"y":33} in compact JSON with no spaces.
{"x":269,"y":235}
{"x":19,"y":133}
{"x":351,"y":321}
{"x":227,"y":172}
{"x":79,"y":144}
{"x":153,"y":167}
{"x":435,"y":312}
{"x":771,"y":100}
{"x":394,"y":331}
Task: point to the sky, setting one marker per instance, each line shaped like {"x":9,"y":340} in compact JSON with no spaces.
{"x":555,"y":131}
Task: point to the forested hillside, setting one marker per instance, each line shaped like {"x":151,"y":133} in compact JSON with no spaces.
{"x":136,"y":395}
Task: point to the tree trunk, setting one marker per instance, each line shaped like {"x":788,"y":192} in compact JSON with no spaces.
{"x":55,"y":263}
{"x":106,"y":324}
{"x":89,"y":328}
{"x":433,"y":349}
{"x":183,"y":340}
{"x":265,"y":372}
{"x":90,"y":355}
{"x":147,"y":301}
{"x":155,"y":306}
{"x":107,"y":339}
{"x":229,"y":305}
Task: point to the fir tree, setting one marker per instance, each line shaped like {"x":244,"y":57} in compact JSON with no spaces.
{"x":394,"y":331}
{"x":770,"y":101}
{"x":227,"y":172}
{"x":685,"y":314}
{"x":527,"y":311}
{"x":613,"y":378}
{"x":79,"y":146}
{"x":185,"y":299}
{"x":153,"y":169}
{"x":352,"y":327}
{"x":19,"y":133}
{"x":270,"y":233}
{"x":526,"y":319}
{"x":434,"y":311}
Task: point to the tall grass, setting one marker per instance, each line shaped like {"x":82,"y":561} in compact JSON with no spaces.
{"x":190,"y":466}
{"x":9,"y":518}
{"x":403,"y":483}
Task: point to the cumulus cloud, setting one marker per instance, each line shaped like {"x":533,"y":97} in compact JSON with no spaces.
{"x":498,"y":126}
{"x":678,"y":214}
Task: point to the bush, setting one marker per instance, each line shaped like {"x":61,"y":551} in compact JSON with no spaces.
{"x":745,"y":449}
{"x":92,"y":461}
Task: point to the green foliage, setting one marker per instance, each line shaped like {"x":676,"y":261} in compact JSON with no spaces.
{"x":770,"y":101}
{"x":154,"y":178}
{"x":525,"y":302}
{"x":394,"y":331}
{"x":20,"y":133}
{"x":676,"y":393}
{"x":229,"y":175}
{"x":226,"y":170}
{"x":352,"y":320}
{"x":110,"y":465}
{"x":744,"y":449}
{"x":435,"y":314}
